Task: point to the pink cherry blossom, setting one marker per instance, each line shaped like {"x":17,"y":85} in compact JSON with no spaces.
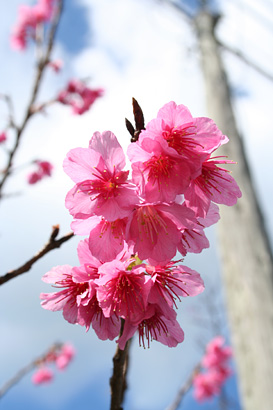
{"x":65,"y":356}
{"x":190,"y":137}
{"x":158,"y":170}
{"x":216,"y":370}
{"x":28,"y":19}
{"x":3,"y":137}
{"x":214,"y":184}
{"x":42,"y":375}
{"x":121,"y":291}
{"x":154,"y":326}
{"x":68,"y":299}
{"x":206,"y":385}
{"x":170,"y":282}
{"x":79,"y":96}
{"x":56,"y":65}
{"x":44,"y":168}
{"x":155,"y":230}
{"x":216,"y":353}
{"x":92,"y":314}
{"x":34,"y":177}
{"x":194,"y":240}
{"x":102,"y":187}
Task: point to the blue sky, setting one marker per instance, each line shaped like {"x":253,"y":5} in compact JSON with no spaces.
{"x":131,"y":48}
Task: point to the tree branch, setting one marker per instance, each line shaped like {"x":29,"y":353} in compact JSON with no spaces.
{"x":184,"y":389}
{"x":22,"y":372}
{"x":37,"y":82}
{"x":118,"y":380}
{"x":49,"y":246}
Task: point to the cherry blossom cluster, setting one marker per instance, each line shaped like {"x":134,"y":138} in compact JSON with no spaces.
{"x":60,"y":356}
{"x":79,"y":96}
{"x":28,"y":20}
{"x":44,"y":168}
{"x":216,"y":370}
{"x":136,"y":226}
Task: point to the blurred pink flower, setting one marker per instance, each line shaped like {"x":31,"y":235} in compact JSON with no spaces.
{"x":42,"y":375}
{"x":79,"y":96}
{"x":28,"y":19}
{"x":44,"y":169}
{"x":3,"y":137}
{"x":65,"y":356}
{"x":56,"y":65}
{"x":210,"y":381}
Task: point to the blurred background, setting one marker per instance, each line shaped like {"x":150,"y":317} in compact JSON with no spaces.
{"x":146,"y":49}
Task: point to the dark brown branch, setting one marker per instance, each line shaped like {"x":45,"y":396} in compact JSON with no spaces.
{"x":184,"y":389}
{"x":21,"y":373}
{"x":53,"y":243}
{"x":37,"y":82}
{"x":118,"y":381}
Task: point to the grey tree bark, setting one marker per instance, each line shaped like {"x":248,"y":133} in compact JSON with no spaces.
{"x":244,"y":246}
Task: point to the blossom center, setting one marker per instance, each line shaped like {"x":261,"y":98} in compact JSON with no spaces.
{"x":158,"y":167}
{"x":150,"y":223}
{"x":182,"y":140}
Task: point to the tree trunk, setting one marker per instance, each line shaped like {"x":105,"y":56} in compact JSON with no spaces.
{"x":244,"y":246}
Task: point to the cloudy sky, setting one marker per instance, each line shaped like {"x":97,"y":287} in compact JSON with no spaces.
{"x":132,"y":49}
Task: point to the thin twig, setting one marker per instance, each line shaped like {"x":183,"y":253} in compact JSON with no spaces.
{"x":118,"y":381}
{"x":184,"y":389}
{"x":49,"y":246}
{"x":37,"y":82}
{"x":8,"y":100}
{"x":22,"y":372}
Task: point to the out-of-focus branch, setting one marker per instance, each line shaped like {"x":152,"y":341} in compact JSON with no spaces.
{"x":22,"y":372}
{"x":7,"y":99}
{"x":246,"y":60}
{"x":53,"y":243}
{"x":184,"y":389}
{"x":37,"y":82}
{"x":118,"y":381}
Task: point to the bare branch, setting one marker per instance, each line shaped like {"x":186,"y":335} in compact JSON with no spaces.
{"x":21,"y":373}
{"x":184,"y":389}
{"x":53,"y":243}
{"x":8,"y":100}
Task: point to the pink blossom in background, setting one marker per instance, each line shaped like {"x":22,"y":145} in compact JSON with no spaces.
{"x":56,"y":65}
{"x":65,"y":356}
{"x":79,"y":96}
{"x":216,"y":353}
{"x":44,"y":168}
{"x":215,"y":372}
{"x":28,"y":19}
{"x":34,"y":177}
{"x":206,"y":386}
{"x":42,"y":375}
{"x":3,"y":137}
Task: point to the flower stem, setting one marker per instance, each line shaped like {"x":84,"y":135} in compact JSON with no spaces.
{"x":118,"y":381}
